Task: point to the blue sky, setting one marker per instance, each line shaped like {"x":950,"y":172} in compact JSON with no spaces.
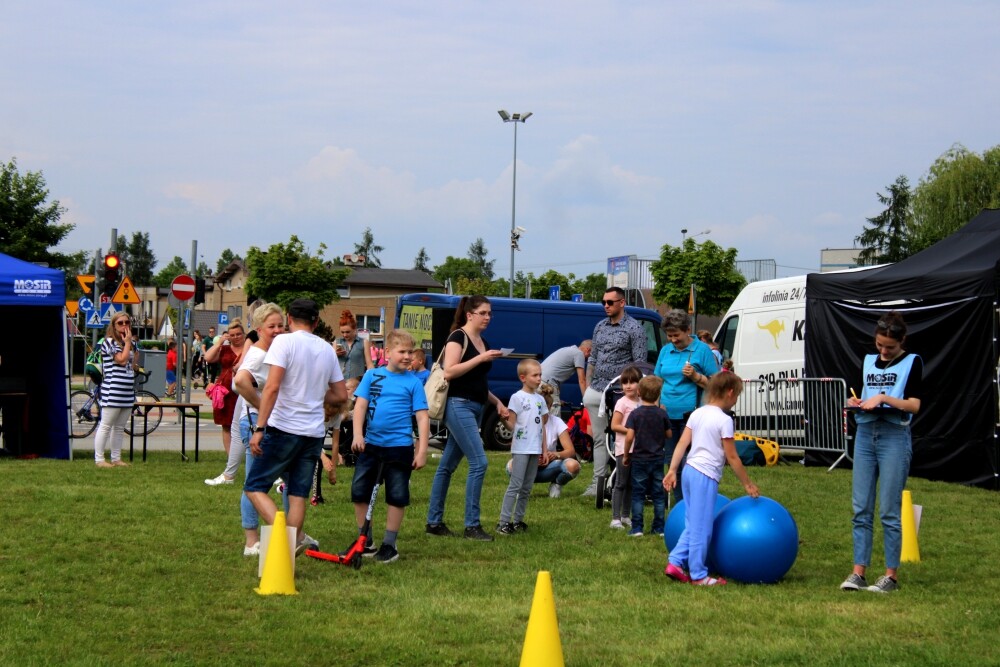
{"x":773,"y":124}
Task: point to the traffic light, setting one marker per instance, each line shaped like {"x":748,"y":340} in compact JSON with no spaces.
{"x":199,"y":291}
{"x":112,"y":272}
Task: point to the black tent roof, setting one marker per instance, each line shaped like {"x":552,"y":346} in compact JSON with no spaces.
{"x":947,"y":295}
{"x":967,"y":263}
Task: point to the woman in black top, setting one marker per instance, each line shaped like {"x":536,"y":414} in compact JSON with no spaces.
{"x":468,"y":393}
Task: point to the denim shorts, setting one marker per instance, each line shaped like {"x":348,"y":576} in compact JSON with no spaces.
{"x":292,"y":457}
{"x":398,"y":464}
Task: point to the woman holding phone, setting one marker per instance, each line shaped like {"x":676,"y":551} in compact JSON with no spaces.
{"x":117,"y":389}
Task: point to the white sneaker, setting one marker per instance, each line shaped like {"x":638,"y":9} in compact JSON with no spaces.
{"x":627,"y":522}
{"x":216,"y":481}
{"x":252,"y":551}
{"x":306,"y":543}
{"x":617,"y":524}
{"x":554,"y":490}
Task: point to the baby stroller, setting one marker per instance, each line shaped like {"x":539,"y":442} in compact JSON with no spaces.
{"x":612,"y":393}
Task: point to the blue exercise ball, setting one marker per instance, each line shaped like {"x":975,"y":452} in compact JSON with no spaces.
{"x":754,"y":540}
{"x":676,"y":520}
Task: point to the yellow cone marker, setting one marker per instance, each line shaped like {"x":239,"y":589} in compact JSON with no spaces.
{"x":278,"y":578}
{"x":542,"y":646}
{"x":911,"y":550}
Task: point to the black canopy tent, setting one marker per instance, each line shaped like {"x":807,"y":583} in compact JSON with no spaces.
{"x":948,"y":295}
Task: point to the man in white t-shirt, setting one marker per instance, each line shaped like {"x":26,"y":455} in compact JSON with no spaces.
{"x":287,"y":441}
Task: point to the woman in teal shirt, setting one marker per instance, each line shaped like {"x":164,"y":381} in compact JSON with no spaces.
{"x":684,"y":365}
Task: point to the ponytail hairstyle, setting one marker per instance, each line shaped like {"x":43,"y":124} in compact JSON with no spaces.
{"x":546,"y":391}
{"x":347,"y":319}
{"x":892,"y":325}
{"x":467,"y":305}
{"x":721,"y":384}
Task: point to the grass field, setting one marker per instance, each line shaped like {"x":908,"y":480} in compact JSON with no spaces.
{"x":144,"y":565}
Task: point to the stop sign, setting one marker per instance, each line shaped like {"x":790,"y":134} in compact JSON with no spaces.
{"x":182,"y":287}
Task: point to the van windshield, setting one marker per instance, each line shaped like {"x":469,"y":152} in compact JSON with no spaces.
{"x":653,"y":342}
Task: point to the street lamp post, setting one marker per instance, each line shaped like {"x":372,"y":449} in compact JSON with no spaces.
{"x":515,"y":232}
{"x":701,"y":233}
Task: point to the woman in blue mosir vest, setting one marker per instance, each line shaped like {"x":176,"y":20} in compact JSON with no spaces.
{"x":890,"y":396}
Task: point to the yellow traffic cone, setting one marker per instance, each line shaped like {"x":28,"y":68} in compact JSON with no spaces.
{"x":278,"y":578}
{"x":542,"y":646}
{"x":911,"y":550}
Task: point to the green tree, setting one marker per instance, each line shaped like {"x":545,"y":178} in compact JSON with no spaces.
{"x":29,"y":226}
{"x":285,"y":272}
{"x":421,"y":260}
{"x":591,"y":286}
{"x":541,"y":285}
{"x":203,"y":271}
{"x":887,"y":239}
{"x":707,"y":266}
{"x":138,"y":258}
{"x":368,"y":248}
{"x":464,"y":285}
{"x":956,"y":188}
{"x":478,"y":254}
{"x":454,"y":268}
{"x":166,"y":275}
{"x":225,"y":258}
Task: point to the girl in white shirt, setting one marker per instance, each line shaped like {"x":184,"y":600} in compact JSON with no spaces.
{"x":709,"y":433}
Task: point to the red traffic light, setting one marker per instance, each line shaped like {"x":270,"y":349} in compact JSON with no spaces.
{"x":112,"y":273}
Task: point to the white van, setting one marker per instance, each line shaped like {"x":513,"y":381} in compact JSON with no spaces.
{"x":764,"y":330}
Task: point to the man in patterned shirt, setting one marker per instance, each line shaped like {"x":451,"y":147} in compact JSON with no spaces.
{"x":617,"y":342}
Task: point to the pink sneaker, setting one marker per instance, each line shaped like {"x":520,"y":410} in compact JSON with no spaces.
{"x":676,"y":573}
{"x":710,"y":581}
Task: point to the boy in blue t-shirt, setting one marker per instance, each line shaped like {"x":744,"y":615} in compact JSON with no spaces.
{"x":387,"y":398}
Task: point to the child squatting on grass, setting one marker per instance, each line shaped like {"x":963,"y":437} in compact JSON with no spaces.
{"x":526,"y":419}
{"x":646,"y":432}
{"x":388,"y":397}
{"x":709,"y":433}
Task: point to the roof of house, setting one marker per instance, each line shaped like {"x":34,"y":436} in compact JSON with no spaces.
{"x":409,"y":278}
{"x":235,"y":266}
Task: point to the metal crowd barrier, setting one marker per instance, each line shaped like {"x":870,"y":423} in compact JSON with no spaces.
{"x":797,"y":413}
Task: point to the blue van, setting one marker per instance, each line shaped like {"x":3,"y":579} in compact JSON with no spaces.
{"x":532,"y":327}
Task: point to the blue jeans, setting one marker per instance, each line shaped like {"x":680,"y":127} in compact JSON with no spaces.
{"x":647,"y":477}
{"x":882,"y":453}
{"x":286,"y":455}
{"x":248,"y":513}
{"x":462,"y":417}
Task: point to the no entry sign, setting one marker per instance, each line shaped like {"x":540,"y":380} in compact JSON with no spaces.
{"x":182,"y":287}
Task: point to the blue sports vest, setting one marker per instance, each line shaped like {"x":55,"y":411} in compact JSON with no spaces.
{"x":889,"y":381}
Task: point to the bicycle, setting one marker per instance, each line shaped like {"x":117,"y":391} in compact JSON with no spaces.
{"x":87,"y":409}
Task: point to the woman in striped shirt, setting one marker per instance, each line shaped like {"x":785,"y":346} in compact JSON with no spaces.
{"x":117,"y":389}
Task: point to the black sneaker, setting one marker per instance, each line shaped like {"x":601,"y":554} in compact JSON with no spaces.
{"x":520,"y":527}
{"x":503,"y":528}
{"x":477,"y":533}
{"x":438,"y":529}
{"x":370,"y":549}
{"x":386,"y":554}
